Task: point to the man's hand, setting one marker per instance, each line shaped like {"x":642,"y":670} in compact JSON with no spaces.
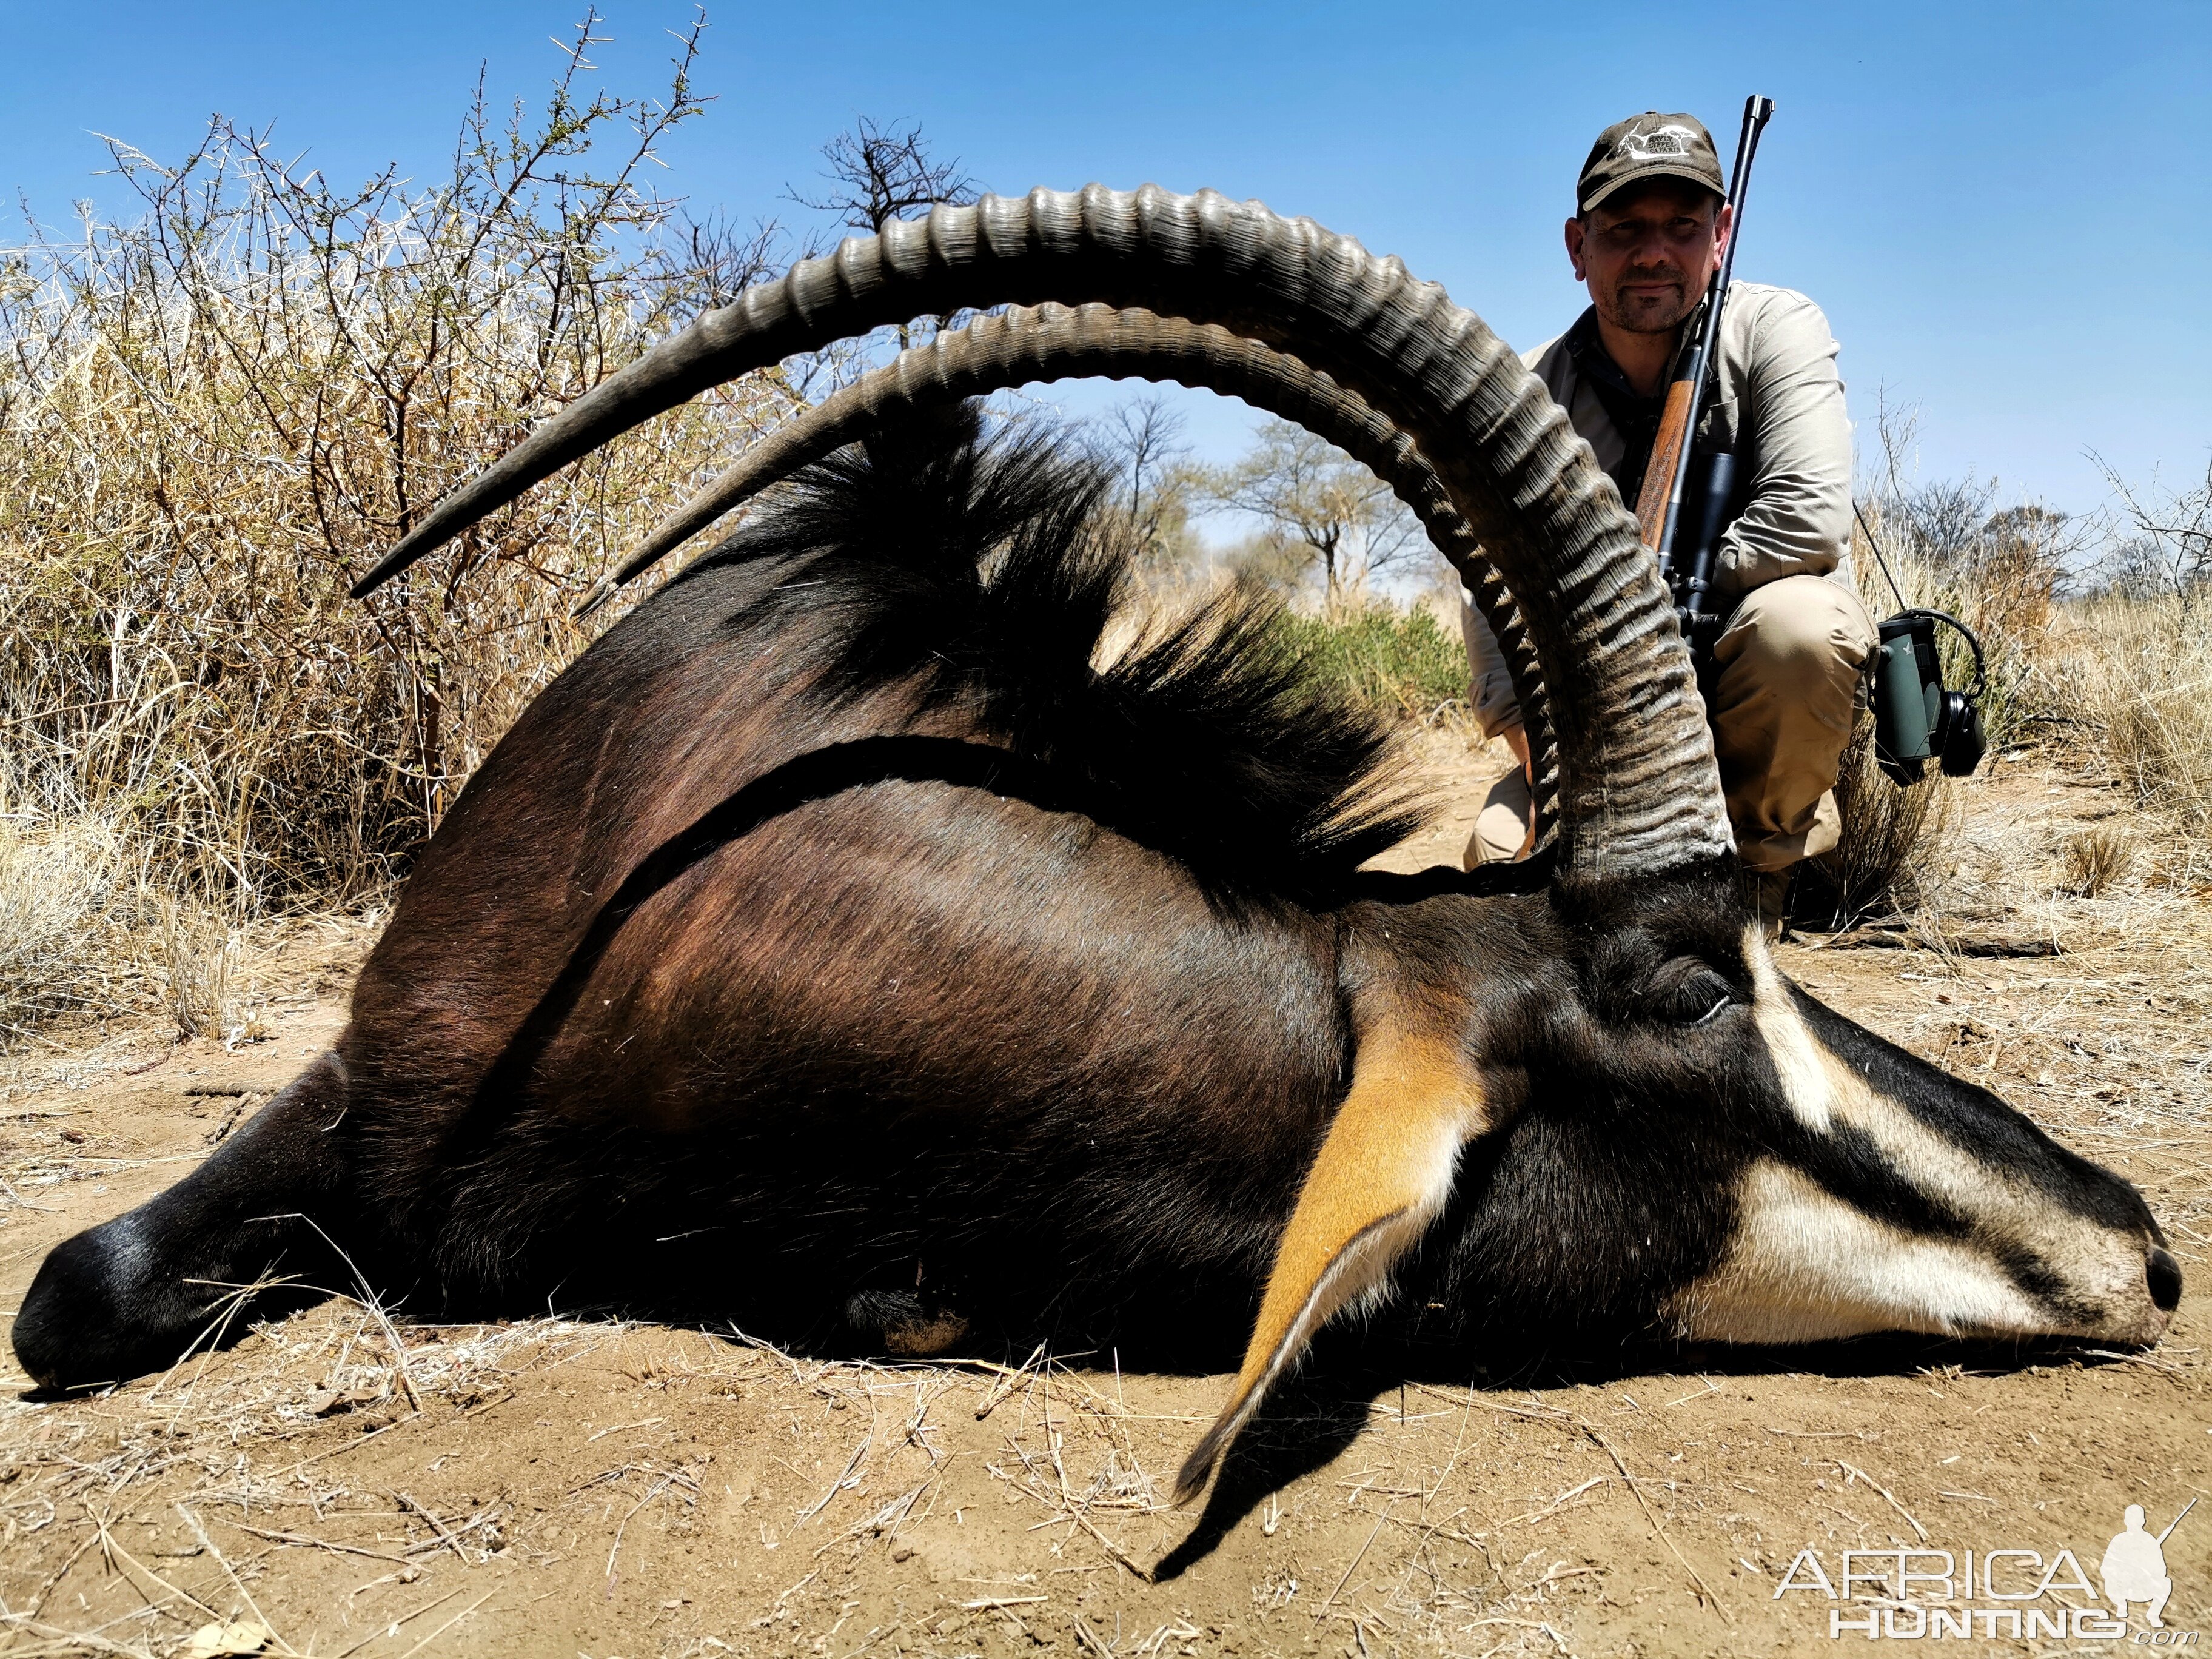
{"x":1516,"y":739}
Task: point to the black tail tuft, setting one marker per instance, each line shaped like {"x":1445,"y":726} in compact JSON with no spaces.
{"x":978,"y":567}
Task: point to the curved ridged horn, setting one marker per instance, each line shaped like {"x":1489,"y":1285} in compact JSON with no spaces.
{"x":1057,"y":342}
{"x":1639,"y":790}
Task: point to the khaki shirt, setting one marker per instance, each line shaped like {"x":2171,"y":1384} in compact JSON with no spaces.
{"x":1778,"y":402}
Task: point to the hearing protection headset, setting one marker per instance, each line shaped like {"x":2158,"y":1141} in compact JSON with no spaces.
{"x":1916,"y":718}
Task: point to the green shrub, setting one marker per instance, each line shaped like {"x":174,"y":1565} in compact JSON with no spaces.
{"x":1404,"y":663}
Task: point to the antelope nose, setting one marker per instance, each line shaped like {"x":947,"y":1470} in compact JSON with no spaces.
{"x":2164,"y":1274}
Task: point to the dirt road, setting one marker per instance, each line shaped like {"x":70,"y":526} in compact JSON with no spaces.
{"x":551,"y":1487}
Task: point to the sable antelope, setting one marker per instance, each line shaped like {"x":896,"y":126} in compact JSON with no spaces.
{"x":845,"y":920}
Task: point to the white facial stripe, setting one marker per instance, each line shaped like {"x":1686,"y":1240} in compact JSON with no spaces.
{"x":2101,"y":1267}
{"x":1806,"y":1081}
{"x":1823,"y":1091}
{"x":1805,"y":1266}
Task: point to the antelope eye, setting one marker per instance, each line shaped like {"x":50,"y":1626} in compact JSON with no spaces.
{"x":1701,"y":996}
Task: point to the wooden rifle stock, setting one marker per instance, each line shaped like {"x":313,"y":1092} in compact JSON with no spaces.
{"x":1666,"y":460}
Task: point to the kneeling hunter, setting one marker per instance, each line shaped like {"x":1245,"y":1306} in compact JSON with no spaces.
{"x":1649,"y":230}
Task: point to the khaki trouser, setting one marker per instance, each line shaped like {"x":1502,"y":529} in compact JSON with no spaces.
{"x":1788,"y":664}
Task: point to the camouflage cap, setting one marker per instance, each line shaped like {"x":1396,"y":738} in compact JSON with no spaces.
{"x":1649,"y":146}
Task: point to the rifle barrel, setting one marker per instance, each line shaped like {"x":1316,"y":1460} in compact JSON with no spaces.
{"x":2177,"y":1521}
{"x":1756,"y":112}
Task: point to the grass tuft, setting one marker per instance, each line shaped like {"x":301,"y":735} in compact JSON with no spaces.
{"x":57,"y":884}
{"x":2094,"y":861}
{"x":1404,"y":663}
{"x":2133,"y":678}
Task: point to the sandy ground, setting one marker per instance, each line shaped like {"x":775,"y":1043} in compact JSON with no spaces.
{"x":550,"y":1487}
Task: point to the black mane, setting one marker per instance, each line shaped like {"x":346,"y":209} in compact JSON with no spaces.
{"x":979,"y":569}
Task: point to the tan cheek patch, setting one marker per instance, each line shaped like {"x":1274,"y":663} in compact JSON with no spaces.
{"x":1383,"y":1173}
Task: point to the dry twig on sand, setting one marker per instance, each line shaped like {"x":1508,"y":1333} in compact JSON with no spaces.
{"x":1851,"y":1473}
{"x":1703,"y":1588}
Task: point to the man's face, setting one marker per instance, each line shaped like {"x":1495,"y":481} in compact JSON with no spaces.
{"x":1649,"y":253}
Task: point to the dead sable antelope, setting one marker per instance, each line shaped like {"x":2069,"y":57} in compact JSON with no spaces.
{"x":846,"y":937}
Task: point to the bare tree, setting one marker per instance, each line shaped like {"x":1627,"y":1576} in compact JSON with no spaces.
{"x":2171,"y":549}
{"x":1141,"y":439}
{"x":883,"y":173}
{"x":2012,"y":559}
{"x":1940,"y":523}
{"x":1317,"y":499}
{"x":717,"y":260}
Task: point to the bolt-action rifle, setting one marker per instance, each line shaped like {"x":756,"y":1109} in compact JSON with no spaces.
{"x":1686,"y":560}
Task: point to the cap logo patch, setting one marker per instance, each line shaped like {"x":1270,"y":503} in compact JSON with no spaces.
{"x":1672,"y":139}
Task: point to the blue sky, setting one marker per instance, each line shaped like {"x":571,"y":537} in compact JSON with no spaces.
{"x":2005,"y":209}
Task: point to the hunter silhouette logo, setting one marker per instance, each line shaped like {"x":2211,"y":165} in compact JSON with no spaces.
{"x":1912,"y":1593}
{"x":1672,"y":139}
{"x":2134,"y":1567}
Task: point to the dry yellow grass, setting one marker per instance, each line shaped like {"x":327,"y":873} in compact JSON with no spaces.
{"x":2133,"y":678}
{"x":213,"y":418}
{"x":56,"y":887}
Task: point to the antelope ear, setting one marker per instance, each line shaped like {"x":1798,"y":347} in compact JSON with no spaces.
{"x":1383,"y":1173}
